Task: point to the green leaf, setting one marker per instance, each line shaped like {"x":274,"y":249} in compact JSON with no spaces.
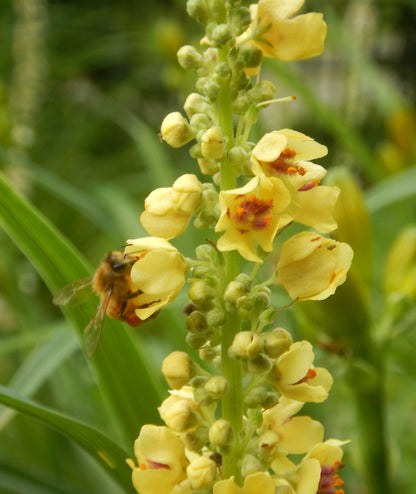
{"x":121,"y":368}
{"x":108,"y":454}
{"x":400,"y":187}
{"x":39,"y":366}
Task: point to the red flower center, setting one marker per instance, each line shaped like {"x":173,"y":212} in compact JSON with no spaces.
{"x":253,"y":213}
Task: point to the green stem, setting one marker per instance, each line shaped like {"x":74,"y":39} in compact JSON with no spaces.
{"x":232,"y":404}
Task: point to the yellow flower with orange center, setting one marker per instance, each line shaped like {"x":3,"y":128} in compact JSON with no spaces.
{"x":250,"y":216}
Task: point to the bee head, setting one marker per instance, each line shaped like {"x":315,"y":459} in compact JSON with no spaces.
{"x":119,"y":262}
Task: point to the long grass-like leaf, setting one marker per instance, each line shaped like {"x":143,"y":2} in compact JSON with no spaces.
{"x":400,"y":187}
{"x":121,"y":368}
{"x":38,"y":367}
{"x":108,"y":454}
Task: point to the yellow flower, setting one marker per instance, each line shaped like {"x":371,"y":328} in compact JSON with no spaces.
{"x":296,"y":378}
{"x":250,"y":216}
{"x":168,"y":209}
{"x":297,"y":435}
{"x":256,"y":483}
{"x":284,"y":154}
{"x":311,"y":267}
{"x":287,"y":37}
{"x":161,"y":458}
{"x":158,"y":274}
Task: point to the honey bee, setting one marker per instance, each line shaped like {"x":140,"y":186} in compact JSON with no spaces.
{"x":112,"y":283}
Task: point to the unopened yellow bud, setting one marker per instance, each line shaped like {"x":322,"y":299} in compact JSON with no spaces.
{"x":201,"y":294}
{"x":217,"y":387}
{"x":194,"y":104}
{"x":186,"y":193}
{"x":175,"y":130}
{"x":208,"y":354}
{"x":201,"y":472}
{"x":220,"y":433}
{"x":177,"y":414}
{"x":246,"y":344}
{"x":234,"y":291}
{"x":178,"y":369}
{"x":250,"y":465}
{"x":276,"y":342}
{"x":189,"y":58}
{"x":213,"y":143}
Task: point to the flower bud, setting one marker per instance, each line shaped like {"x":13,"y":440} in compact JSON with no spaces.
{"x":200,"y":121}
{"x":189,"y":57}
{"x":211,"y":55}
{"x":194,"y":440}
{"x":255,"y":397}
{"x":262,"y":91}
{"x":202,"y":397}
{"x":204,"y":252}
{"x":198,"y":10}
{"x":201,"y":294}
{"x":237,"y":157}
{"x":178,"y":415}
{"x":241,"y":104}
{"x":240,"y":20}
{"x":217,"y":387}
{"x":186,"y":193}
{"x":196,"y":322}
{"x":246,"y":344}
{"x":201,"y":472}
{"x":220,"y":433}
{"x":195,"y":340}
{"x":208,"y":88}
{"x":208,"y":167}
{"x":250,"y":56}
{"x":245,"y":280}
{"x":219,"y":34}
{"x":178,"y":369}
{"x":234,"y":291}
{"x":259,"y":365}
{"x":222,"y":72}
{"x":213,"y":143}
{"x":175,"y":130}
{"x":195,"y":103}
{"x":215,"y":317}
{"x":276,"y":342}
{"x":250,"y":465}
{"x":208,"y":354}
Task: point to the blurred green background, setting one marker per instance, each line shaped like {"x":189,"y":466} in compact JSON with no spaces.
{"x":84,"y":86}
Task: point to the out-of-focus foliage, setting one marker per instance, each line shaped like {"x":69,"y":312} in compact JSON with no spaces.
{"x":84,"y":86}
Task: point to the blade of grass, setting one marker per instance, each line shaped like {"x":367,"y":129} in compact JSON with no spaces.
{"x":122,"y":370}
{"x":107,"y":453}
{"x":400,"y":187}
{"x":38,"y":367}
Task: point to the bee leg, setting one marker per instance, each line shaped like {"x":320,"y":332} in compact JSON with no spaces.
{"x":133,"y":295}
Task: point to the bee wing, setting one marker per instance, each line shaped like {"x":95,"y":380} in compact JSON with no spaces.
{"x":93,"y":330}
{"x":75,"y":293}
